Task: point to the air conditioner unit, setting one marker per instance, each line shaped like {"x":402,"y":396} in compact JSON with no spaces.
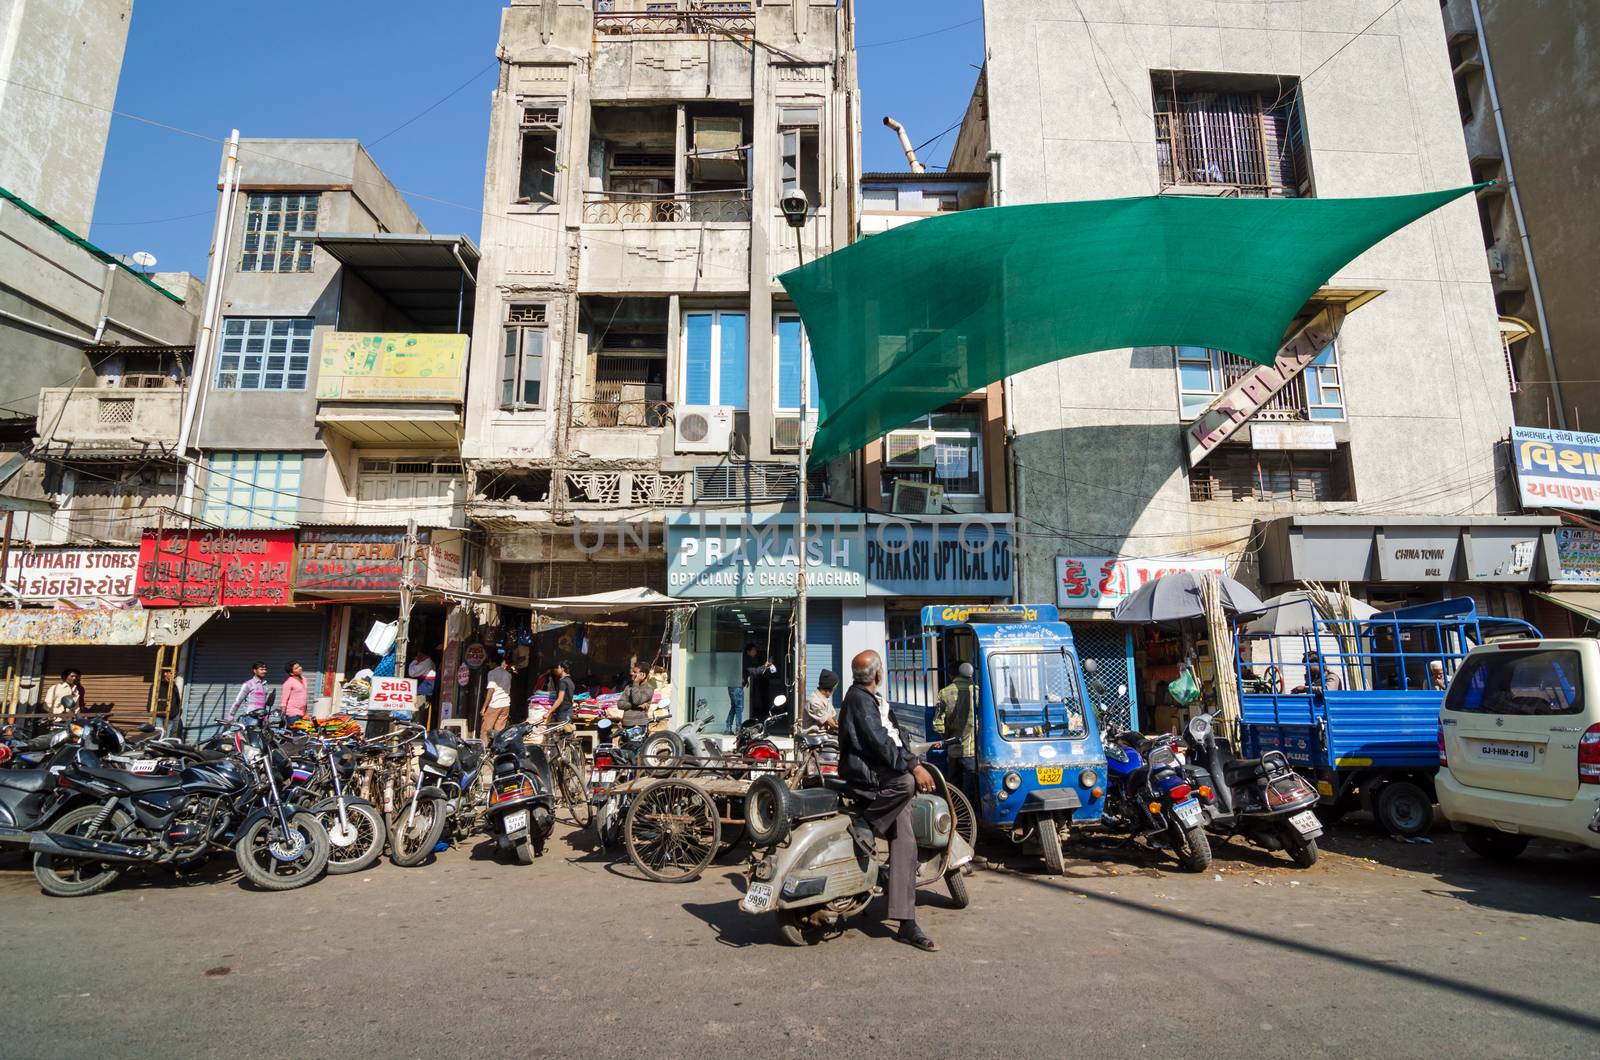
{"x":910,"y":448}
{"x":704,"y":428}
{"x":916,"y":498}
{"x":786,"y":429}
{"x":1497,"y":261}
{"x":718,"y":152}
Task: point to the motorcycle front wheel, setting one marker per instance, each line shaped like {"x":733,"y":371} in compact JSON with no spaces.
{"x":1190,"y":846}
{"x":414,"y":835}
{"x":355,"y":843}
{"x":69,"y":877}
{"x":276,"y":860}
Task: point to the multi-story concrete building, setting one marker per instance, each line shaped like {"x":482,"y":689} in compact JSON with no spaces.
{"x":1526,"y":89}
{"x":1381,"y":464}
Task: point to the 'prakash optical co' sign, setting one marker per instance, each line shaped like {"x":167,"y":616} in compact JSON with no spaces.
{"x":1556,"y":469}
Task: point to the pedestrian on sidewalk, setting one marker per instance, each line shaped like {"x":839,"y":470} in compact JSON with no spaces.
{"x":496,"y":700}
{"x":294,"y":698}
{"x":875,"y":762}
{"x":253,"y":697}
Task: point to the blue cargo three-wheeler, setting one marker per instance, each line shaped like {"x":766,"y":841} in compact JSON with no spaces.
{"x":1354,"y":703}
{"x":1039,"y":768}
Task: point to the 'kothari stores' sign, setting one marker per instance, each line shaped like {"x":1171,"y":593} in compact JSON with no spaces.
{"x":847,"y":556}
{"x":49,"y":574}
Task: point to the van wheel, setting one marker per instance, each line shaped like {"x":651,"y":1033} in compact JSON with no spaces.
{"x":1492,"y":845}
{"x":1403,"y":809}
{"x":1050,"y":843}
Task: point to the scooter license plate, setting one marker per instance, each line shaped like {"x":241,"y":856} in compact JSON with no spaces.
{"x":1305,"y":822}
{"x":515,"y":822}
{"x":758,"y":899}
{"x":1188,"y":812}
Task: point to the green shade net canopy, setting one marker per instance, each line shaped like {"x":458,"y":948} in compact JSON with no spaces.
{"x":919,"y":316}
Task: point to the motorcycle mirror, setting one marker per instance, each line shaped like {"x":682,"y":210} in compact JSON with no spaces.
{"x":1122,"y":690}
{"x":603,"y":723}
{"x":1200,"y":727}
{"x":779,"y":700}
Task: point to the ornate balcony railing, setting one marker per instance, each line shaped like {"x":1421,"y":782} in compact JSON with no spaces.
{"x":621,"y":413}
{"x":615,"y":208}
{"x":700,"y":19}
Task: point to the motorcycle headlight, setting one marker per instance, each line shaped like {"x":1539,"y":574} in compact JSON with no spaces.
{"x":1012,"y":780}
{"x":1087,"y":778}
{"x":446,"y":756}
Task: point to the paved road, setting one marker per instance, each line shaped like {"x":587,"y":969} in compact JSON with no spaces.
{"x":1382,"y":949}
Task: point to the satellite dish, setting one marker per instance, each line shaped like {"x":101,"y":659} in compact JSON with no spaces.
{"x":144,"y":259}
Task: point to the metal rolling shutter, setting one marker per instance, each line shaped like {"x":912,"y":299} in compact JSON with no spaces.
{"x":824,"y":642}
{"x":120,"y":676}
{"x":221,"y":653}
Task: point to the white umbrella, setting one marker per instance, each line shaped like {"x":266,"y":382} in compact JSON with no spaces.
{"x":1290,"y":614}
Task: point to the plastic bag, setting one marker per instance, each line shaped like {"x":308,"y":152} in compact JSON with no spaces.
{"x":1184,"y":689}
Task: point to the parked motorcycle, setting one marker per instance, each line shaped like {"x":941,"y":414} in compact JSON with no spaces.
{"x":31,"y":797}
{"x":357,"y":830}
{"x":442,"y":797}
{"x":1149,"y":795}
{"x":521,"y":811}
{"x":807,"y":869}
{"x":236,"y":802}
{"x":1261,"y":799}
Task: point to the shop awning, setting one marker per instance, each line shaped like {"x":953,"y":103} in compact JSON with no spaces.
{"x":577,"y":608}
{"x":132,"y":626}
{"x":1582,"y":602}
{"x":926,"y":313}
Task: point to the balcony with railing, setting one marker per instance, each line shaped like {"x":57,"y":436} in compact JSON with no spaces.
{"x":1221,"y":141}
{"x":621,"y":18}
{"x":625,"y":208}
{"x":108,"y":421}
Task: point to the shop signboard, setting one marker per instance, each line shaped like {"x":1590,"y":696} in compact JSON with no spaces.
{"x":1418,"y":553}
{"x":973,"y":557}
{"x":216,"y":568}
{"x":1556,"y":469}
{"x":391,"y":366}
{"x":1579,"y":552}
{"x":46,"y":575}
{"x":343,"y":560}
{"x":383,"y":693}
{"x":1100,"y":583}
{"x":476,"y":655}
{"x":101,"y":626}
{"x":738,"y":556}
{"x":1292,"y":436}
{"x":446,"y":565}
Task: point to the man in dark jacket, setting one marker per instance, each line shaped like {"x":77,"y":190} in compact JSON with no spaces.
{"x":874,"y":760}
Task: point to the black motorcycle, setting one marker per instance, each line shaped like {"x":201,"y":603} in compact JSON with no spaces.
{"x":30,"y":797}
{"x":1261,"y":799}
{"x":444,"y":798}
{"x":521,"y":811}
{"x":234,"y":802}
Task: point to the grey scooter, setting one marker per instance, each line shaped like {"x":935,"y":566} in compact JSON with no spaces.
{"x":807,"y":869}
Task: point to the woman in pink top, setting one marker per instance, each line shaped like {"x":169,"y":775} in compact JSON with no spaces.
{"x":293,"y":700}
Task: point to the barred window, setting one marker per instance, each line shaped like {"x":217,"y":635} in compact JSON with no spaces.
{"x":273,"y":225}
{"x":264,"y":353}
{"x":1239,"y":473}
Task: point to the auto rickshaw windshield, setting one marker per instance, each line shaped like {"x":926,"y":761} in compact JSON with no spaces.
{"x":1036,"y":696}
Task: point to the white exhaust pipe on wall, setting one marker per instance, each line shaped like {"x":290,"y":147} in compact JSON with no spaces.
{"x":905,"y":144}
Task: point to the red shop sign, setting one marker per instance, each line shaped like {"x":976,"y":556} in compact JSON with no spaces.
{"x":215,"y":568}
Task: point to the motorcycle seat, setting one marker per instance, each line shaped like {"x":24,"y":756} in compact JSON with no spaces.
{"x":805,"y":804}
{"x":128,"y":781}
{"x":26,"y":779}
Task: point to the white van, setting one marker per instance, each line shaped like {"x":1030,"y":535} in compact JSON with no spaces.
{"x":1519,"y":745}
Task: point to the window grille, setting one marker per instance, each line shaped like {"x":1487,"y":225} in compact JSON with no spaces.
{"x":272,"y":223}
{"x":264,"y":353}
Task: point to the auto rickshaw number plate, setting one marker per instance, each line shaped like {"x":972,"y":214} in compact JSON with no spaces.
{"x":1049,"y":775}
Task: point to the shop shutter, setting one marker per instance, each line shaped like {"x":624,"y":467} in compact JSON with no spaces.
{"x":541,"y":581}
{"x":1109,"y":646}
{"x":120,"y":676}
{"x":221,"y":653}
{"x":824,"y":643}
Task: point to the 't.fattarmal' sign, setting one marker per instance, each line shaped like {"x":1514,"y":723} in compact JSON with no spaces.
{"x":1234,"y":407}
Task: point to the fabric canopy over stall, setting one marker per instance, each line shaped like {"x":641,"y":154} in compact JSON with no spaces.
{"x":913,"y":318}
{"x":577,"y":608}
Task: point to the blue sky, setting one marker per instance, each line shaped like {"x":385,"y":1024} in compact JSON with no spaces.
{"x":290,"y":68}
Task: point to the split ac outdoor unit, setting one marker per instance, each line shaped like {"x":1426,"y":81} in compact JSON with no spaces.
{"x":910,"y":448}
{"x":786,"y":429}
{"x":704,"y":428}
{"x":718,"y":151}
{"x":916,"y":498}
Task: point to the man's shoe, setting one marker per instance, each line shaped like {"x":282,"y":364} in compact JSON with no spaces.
{"x":865,"y":841}
{"x":913,"y":935}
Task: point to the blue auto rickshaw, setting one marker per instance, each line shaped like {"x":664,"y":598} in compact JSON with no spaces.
{"x":1039,"y":767}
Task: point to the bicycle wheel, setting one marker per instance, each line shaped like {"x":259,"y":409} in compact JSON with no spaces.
{"x":574,"y":793}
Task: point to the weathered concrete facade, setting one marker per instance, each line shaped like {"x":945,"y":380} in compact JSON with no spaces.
{"x":1546,"y":73}
{"x":662,"y":139}
{"x":59,"y":65}
{"x":1066,"y":110}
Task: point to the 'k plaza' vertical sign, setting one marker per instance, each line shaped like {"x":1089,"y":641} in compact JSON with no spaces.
{"x":848,"y":555}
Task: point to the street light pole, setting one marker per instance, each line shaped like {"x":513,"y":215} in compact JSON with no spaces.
{"x":796,"y":209}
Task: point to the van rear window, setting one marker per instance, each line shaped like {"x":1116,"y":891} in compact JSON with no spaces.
{"x":1529,"y":683}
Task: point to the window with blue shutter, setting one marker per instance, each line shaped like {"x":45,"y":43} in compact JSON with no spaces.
{"x":735,"y":343}
{"x":791,"y":343}
{"x":697,"y":359}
